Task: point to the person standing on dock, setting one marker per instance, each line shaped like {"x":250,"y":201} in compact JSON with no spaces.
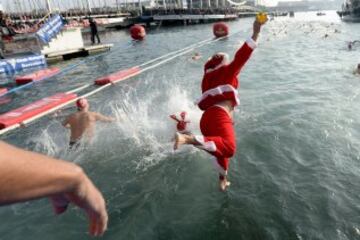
{"x":94,"y":31}
{"x":83,"y":122}
{"x":218,"y":100}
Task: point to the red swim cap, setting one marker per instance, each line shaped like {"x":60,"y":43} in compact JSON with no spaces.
{"x":82,"y":103}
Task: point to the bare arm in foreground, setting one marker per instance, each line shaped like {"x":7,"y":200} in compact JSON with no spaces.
{"x":26,"y":175}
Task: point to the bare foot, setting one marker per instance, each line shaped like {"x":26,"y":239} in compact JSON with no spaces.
{"x":224,"y":184}
{"x":179,"y":140}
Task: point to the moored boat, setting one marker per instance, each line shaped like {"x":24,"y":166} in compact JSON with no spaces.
{"x":350,"y":11}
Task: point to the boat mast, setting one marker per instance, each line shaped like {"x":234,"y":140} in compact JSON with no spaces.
{"x":33,"y":6}
{"x":17,"y":6}
{"x":88,"y":6}
{"x":140,"y":7}
{"x":48,"y":6}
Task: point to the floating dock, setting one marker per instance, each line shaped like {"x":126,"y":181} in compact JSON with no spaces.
{"x":70,"y":44}
{"x":77,"y":52}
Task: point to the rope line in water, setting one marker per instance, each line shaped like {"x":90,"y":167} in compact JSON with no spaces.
{"x":174,"y":54}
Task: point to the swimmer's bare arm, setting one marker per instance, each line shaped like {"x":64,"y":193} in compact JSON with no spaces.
{"x":102,"y":118}
{"x":66,"y":122}
{"x":26,"y":175}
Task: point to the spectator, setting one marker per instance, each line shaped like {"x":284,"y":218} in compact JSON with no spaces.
{"x":94,"y":31}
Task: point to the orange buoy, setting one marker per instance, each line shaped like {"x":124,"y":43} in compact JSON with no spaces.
{"x":261,"y":17}
{"x":220,"y":29}
{"x":137,"y":32}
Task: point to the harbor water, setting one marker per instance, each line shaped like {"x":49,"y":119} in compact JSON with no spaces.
{"x":296,"y":173}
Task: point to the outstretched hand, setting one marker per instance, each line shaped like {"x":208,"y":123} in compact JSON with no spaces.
{"x":62,"y":181}
{"x":256,"y":29}
{"x":88,"y":198}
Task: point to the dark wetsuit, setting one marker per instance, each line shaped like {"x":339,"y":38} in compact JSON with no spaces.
{"x":94,"y":31}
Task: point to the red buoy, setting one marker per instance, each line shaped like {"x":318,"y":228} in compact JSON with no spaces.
{"x":220,"y":29}
{"x":3,"y":91}
{"x":137,"y":32}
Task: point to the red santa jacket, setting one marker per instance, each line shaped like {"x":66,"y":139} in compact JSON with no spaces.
{"x":221,"y":83}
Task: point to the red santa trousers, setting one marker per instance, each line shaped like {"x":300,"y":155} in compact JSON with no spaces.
{"x":218,"y":137}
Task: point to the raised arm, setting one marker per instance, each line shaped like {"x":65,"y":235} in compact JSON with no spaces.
{"x":102,"y":118}
{"x":244,"y":53}
{"x":26,"y":175}
{"x":66,"y":123}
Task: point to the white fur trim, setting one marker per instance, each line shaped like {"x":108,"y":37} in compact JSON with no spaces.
{"x":251,"y":43}
{"x":208,"y":146}
{"x":218,"y":91}
{"x":224,"y":62}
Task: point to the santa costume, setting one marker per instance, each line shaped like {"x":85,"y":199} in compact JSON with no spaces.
{"x":219,"y":84}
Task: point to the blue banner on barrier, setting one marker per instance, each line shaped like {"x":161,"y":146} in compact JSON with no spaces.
{"x":13,"y":65}
{"x":50,"y":29}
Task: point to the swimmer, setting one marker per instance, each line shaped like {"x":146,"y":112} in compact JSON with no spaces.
{"x":83,"y":122}
{"x":196,"y":56}
{"x":351,"y":44}
{"x":357,"y":70}
{"x":219,"y":98}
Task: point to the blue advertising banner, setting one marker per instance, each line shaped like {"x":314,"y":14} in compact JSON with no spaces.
{"x":13,"y":65}
{"x":50,"y":29}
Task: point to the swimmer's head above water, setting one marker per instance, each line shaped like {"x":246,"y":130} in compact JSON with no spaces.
{"x":82,"y":104}
{"x":216,"y":61}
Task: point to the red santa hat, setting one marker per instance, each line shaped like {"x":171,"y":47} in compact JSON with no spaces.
{"x":82,"y":103}
{"x":182,"y":121}
{"x":216,"y":61}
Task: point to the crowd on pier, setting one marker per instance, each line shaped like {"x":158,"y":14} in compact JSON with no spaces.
{"x":13,"y":24}
{"x":193,"y":11}
{"x":17,"y":23}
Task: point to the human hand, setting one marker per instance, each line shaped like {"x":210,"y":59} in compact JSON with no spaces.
{"x":261,"y":17}
{"x":88,"y":198}
{"x":256,"y":27}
